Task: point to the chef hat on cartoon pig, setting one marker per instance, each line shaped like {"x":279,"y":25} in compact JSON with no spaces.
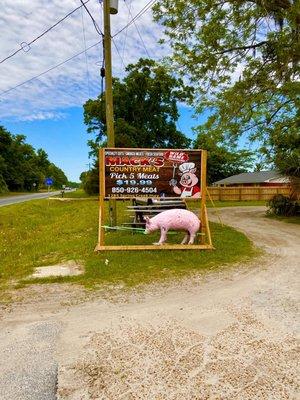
{"x":187,"y":167}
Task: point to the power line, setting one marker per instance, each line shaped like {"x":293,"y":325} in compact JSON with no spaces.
{"x":118,"y":51}
{"x":25,"y":45}
{"x":126,"y":32}
{"x":98,"y":30}
{"x":138,"y":31}
{"x":49,"y":69}
{"x":138,"y":15}
{"x":86,"y":57}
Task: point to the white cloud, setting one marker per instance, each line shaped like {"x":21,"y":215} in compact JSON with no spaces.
{"x":65,"y":86}
{"x":42,"y":115}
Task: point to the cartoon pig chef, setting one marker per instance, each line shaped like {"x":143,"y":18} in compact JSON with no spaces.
{"x":188,"y":182}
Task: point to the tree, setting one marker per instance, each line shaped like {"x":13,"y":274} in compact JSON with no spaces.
{"x":223,"y":160}
{"x":145,"y":114}
{"x":90,"y":180}
{"x":285,"y":151}
{"x":3,"y":186}
{"x":242,"y":57}
{"x":145,"y":109}
{"x":58,"y":176}
{"x":21,"y":166}
{"x":74,"y":185}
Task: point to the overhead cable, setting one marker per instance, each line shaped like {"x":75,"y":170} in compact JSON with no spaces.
{"x":138,"y":15}
{"x":49,"y":69}
{"x":137,"y":29}
{"x":85,"y":53}
{"x":98,"y":30}
{"x":126,"y":31}
{"x":26,"y":46}
{"x":119,"y":53}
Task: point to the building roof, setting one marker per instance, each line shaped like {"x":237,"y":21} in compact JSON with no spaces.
{"x":252,"y":177}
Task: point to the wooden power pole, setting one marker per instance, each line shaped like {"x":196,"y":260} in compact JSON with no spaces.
{"x":109,"y":96}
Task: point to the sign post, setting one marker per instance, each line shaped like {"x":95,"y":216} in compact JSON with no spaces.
{"x":153,"y":173}
{"x":48,"y":182}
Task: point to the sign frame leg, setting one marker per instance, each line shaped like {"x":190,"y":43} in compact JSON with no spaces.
{"x":101,"y":233}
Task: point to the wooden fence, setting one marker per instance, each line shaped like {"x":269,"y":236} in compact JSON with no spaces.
{"x":240,"y":193}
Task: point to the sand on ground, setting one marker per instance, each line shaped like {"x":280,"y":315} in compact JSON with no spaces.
{"x":226,"y":335}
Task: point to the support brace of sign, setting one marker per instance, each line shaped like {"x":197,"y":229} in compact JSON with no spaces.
{"x":148,"y":173}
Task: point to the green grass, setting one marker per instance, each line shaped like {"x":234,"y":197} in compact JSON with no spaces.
{"x":242,"y":203}
{"x":295,"y":219}
{"x":44,"y":232}
{"x":79,"y":193}
{"x":8,"y":194}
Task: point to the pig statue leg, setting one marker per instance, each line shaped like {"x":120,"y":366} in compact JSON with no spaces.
{"x":163,"y":236}
{"x":192,"y":238}
{"x":185,"y":239}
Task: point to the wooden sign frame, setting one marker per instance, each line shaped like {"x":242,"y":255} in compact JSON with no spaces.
{"x":205,"y":237}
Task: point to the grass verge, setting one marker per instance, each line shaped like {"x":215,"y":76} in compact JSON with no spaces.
{"x":10,"y":194}
{"x":44,"y":232}
{"x":242,"y":203}
{"x":295,"y":219}
{"x":77,"y":194}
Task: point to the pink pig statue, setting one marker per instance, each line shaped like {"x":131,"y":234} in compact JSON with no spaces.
{"x":177,"y":219}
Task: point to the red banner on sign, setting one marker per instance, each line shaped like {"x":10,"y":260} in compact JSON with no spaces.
{"x":176,"y":156}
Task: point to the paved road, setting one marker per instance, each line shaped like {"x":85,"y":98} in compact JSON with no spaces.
{"x":5,"y":201}
{"x":28,"y":366}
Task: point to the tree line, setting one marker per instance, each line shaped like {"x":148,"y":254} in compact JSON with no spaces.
{"x":22,"y":168}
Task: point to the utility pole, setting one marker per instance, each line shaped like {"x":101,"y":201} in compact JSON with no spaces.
{"x":107,"y":9}
{"x":108,"y":76}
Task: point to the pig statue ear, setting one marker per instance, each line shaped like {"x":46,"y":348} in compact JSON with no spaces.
{"x":147,"y":219}
{"x":193,"y":170}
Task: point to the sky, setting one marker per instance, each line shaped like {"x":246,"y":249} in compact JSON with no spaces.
{"x":48,"y":110}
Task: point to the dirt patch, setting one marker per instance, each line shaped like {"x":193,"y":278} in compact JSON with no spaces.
{"x":68,"y":268}
{"x":243,"y":361}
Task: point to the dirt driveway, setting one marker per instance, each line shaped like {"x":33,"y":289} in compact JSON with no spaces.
{"x":229,"y":335}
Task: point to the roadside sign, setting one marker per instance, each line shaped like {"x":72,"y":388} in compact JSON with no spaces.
{"x":155,"y":173}
{"x":48,"y":181}
{"x":151,"y":173}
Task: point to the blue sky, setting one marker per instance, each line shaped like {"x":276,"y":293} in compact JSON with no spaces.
{"x":65,"y":139}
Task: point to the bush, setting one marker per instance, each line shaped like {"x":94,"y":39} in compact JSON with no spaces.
{"x":283,"y":205}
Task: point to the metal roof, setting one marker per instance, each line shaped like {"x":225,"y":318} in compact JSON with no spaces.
{"x":250,"y":177}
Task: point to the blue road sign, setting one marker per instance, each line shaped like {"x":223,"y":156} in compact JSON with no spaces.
{"x":48,"y":181}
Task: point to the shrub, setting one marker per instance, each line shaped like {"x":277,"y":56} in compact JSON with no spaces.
{"x":283,"y":205}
